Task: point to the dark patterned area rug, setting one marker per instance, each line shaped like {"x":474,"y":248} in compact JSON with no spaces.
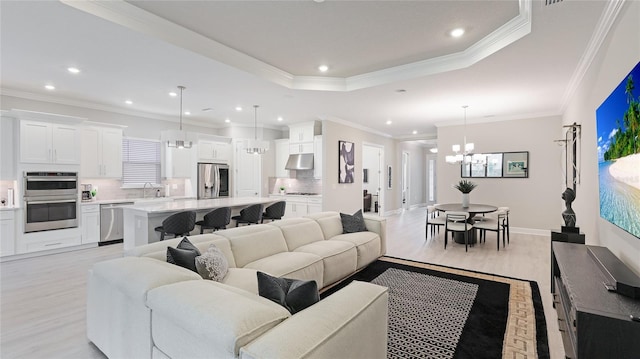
{"x":442,"y":312}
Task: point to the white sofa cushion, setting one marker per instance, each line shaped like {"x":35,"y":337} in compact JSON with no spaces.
{"x":193,"y":319}
{"x":243,"y":278}
{"x":351,"y":323}
{"x":299,"y":231}
{"x":367,"y":245}
{"x":329,"y":222}
{"x":338,"y":257}
{"x":251,"y":243}
{"x":294,"y":265}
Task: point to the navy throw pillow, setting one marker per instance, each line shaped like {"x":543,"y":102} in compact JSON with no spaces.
{"x":183,"y":255}
{"x":353,"y":223}
{"x":293,"y":294}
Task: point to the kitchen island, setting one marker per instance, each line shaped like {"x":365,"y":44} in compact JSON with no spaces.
{"x":140,"y":220}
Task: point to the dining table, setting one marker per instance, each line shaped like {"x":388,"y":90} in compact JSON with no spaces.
{"x":472,"y":209}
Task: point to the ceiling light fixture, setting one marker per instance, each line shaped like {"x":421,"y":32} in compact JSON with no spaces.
{"x":50,"y":87}
{"x":280,"y":118}
{"x":227,"y":120}
{"x":129,"y":102}
{"x":255,"y":146}
{"x":323,"y":68}
{"x":466,"y":155}
{"x":173,"y":94}
{"x":180,"y":141}
{"x":187,"y":113}
{"x":434,"y":150}
{"x":457,"y":32}
{"x":388,"y":122}
{"x":414,"y":132}
{"x":73,"y":70}
{"x":238,"y":108}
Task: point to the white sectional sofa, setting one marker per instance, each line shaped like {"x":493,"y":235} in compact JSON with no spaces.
{"x":140,"y":306}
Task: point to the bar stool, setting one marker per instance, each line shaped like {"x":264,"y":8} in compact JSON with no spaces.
{"x":217,"y":219}
{"x":251,"y":214}
{"x":179,"y":224}
{"x":274,"y":211}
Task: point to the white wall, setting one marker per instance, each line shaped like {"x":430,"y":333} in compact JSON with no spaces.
{"x":347,"y":197}
{"x":617,"y":56}
{"x":533,"y":201}
{"x":417,"y":180}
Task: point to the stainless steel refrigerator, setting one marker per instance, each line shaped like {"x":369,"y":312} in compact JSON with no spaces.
{"x":213,"y":180}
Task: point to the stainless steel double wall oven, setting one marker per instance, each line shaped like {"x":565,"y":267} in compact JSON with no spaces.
{"x":50,"y":201}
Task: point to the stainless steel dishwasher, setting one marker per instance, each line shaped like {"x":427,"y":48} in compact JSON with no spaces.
{"x":111,"y":223}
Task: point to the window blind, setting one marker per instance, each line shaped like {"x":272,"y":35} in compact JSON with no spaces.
{"x":140,"y":161}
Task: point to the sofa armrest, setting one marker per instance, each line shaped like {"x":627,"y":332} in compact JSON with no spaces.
{"x":378,"y":225}
{"x":351,"y":323}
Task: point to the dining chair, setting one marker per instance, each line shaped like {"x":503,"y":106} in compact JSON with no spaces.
{"x":217,"y":219}
{"x":434,"y":221}
{"x":179,"y":224}
{"x":250,"y":214}
{"x":491,"y":224}
{"x":457,"y":222}
{"x":505,"y":222}
{"x":274,"y":211}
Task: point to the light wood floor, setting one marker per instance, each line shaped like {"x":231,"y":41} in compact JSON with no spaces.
{"x":42,"y":299}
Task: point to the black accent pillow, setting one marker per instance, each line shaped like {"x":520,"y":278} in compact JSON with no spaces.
{"x":353,"y":224}
{"x":293,"y":294}
{"x":183,"y":255}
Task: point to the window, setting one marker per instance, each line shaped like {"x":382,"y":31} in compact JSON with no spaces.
{"x":140,"y":161}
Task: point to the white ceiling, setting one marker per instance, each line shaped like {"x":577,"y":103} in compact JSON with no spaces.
{"x":518,"y":59}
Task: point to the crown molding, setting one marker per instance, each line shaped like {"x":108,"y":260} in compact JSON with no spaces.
{"x":356,"y":126}
{"x":606,"y":21}
{"x":132,"y":17}
{"x":498,"y":119}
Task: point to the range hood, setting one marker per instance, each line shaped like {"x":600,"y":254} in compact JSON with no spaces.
{"x":300,"y":161}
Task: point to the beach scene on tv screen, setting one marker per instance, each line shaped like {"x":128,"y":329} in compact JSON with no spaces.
{"x":618,"y":126}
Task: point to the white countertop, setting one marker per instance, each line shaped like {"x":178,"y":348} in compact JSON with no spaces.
{"x":136,"y":200}
{"x":195,"y":205}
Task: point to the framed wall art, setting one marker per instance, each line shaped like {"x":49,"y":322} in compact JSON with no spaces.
{"x":346,"y":162}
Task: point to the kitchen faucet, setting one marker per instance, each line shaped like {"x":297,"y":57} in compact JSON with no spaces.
{"x":144,"y":189}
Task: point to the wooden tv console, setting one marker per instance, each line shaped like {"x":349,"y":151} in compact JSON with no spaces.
{"x":595,"y":321}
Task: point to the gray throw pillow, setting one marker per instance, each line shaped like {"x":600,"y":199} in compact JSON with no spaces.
{"x":212,"y":264}
{"x":352,"y":224}
{"x":293,"y":294}
{"x":183,"y":255}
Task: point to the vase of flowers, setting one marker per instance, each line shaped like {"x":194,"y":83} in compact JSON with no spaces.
{"x":465,"y":187}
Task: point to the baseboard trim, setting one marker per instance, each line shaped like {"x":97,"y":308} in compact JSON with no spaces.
{"x":14,"y":257}
{"x":531,"y":231}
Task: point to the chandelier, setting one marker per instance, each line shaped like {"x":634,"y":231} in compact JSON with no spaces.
{"x":180,"y":141}
{"x":255,"y":146}
{"x":465,"y":153}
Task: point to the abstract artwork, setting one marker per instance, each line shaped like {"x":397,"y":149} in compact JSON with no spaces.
{"x":346,"y":162}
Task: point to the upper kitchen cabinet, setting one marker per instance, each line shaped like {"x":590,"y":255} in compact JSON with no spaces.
{"x":282,"y":155}
{"x":7,"y":154}
{"x":214,"y":151}
{"x":178,"y":162}
{"x":101,"y":154}
{"x":45,"y":142}
{"x":303,"y":132}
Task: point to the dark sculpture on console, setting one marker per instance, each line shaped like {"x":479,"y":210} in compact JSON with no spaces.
{"x":569,"y":216}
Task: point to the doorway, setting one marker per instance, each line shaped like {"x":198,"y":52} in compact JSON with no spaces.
{"x":406,"y":175}
{"x":373,"y":178}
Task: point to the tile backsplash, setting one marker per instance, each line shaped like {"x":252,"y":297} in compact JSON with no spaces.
{"x":303,"y":182}
{"x":112,"y":189}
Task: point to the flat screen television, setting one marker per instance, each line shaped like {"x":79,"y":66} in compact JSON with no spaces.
{"x":618,"y":127}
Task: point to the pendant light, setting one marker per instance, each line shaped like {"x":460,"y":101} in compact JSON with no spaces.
{"x":255,"y":146}
{"x":466,"y":155}
{"x":180,"y":141}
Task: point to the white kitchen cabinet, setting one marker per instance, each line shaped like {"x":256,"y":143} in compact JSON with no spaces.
{"x":295,"y":148}
{"x":317,"y":157}
{"x":178,"y":162}
{"x":101,"y":154}
{"x":90,"y":222}
{"x":295,"y":208}
{"x":301,"y":132}
{"x":298,"y":206}
{"x":213,"y":151}
{"x":7,"y":155}
{"x":43,"y":142}
{"x":314,"y":205}
{"x":282,"y":155}
{"x":7,"y":233}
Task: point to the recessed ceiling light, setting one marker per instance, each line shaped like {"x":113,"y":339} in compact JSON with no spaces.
{"x":73,"y":70}
{"x":401,"y":90}
{"x":414,"y":132}
{"x":238,"y":108}
{"x":173,"y":94}
{"x":50,"y":87}
{"x":434,"y":150}
{"x":389,"y":122}
{"x":208,"y":109}
{"x":129,"y":102}
{"x":318,"y":1}
{"x":279,"y":118}
{"x":187,"y":113}
{"x":227,"y":120}
{"x":323,"y":68}
{"x":457,"y":32}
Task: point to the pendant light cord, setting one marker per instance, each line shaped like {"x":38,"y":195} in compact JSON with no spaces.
{"x":255,"y":122}
{"x":181,"y":89}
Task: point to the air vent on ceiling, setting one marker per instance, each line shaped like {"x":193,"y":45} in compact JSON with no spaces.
{"x":551,"y":2}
